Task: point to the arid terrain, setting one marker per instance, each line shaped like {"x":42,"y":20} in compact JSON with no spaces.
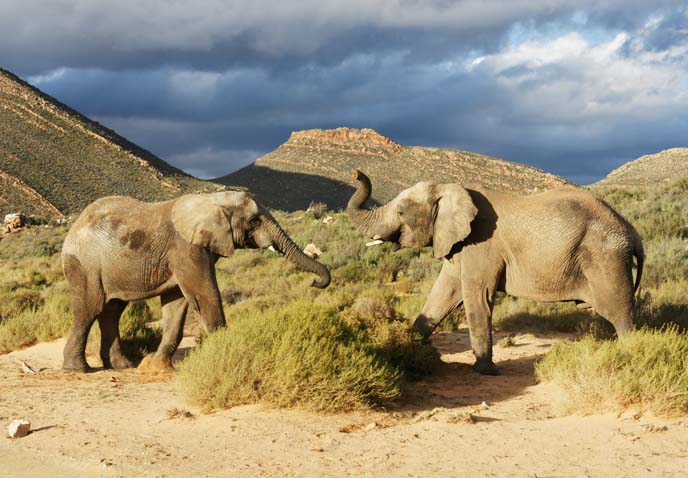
{"x":128,"y":424}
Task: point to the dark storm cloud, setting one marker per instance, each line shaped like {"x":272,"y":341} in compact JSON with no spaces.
{"x":38,"y":35}
{"x":554,"y":83}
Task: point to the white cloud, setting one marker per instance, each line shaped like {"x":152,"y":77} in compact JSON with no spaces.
{"x":570,"y":79}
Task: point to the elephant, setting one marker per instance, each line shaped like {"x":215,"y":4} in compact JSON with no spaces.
{"x":560,"y":245}
{"x":120,"y":249}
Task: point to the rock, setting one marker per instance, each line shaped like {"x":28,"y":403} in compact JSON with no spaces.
{"x":14,"y":222}
{"x":329,"y":219}
{"x":19,"y":428}
{"x":312,"y":251}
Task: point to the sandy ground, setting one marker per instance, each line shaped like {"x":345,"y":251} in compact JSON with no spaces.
{"x":128,"y":424}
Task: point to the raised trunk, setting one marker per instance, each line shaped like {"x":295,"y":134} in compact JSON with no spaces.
{"x":292,"y":252}
{"x":365,"y":220}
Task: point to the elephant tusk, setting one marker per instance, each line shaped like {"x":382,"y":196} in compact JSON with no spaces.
{"x":270,"y":248}
{"x":374,"y":243}
{"x":377,"y":237}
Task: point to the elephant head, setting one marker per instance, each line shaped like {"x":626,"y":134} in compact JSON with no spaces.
{"x":426,"y":214}
{"x":223,"y":221}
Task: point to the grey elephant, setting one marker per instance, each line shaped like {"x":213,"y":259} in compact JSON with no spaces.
{"x":120,"y":249}
{"x":559,"y":245}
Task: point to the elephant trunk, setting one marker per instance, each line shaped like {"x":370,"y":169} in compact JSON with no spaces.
{"x":292,"y":252}
{"x":365,"y":220}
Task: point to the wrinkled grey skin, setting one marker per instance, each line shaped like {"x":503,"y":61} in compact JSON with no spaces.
{"x":121,"y":249}
{"x":560,"y":245}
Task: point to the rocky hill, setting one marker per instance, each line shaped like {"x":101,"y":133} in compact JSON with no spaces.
{"x":649,"y":170}
{"x":55,"y":161}
{"x":316,"y":165}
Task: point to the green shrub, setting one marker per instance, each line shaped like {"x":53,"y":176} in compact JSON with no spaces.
{"x":646,"y":368}
{"x":303,"y":355}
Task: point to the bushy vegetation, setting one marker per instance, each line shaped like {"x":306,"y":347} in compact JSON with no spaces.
{"x":647,"y":368}
{"x":303,"y":355}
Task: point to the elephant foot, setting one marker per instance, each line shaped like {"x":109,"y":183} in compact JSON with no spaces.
{"x":151,"y":363}
{"x":485,"y":367}
{"x":79,"y":366}
{"x":117,"y":363}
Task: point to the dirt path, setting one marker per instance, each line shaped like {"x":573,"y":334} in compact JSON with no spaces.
{"x":125,"y":424}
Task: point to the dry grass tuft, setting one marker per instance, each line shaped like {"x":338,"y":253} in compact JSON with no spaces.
{"x":647,"y":368}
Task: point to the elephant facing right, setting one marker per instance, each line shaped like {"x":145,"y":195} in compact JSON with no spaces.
{"x":560,"y":245}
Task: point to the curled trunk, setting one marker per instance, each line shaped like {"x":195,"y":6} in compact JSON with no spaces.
{"x":291,"y":251}
{"x":365,"y":220}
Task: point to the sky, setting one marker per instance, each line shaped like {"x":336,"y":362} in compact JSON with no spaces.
{"x":574,"y":87}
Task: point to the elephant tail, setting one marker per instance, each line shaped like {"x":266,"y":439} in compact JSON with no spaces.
{"x":639,"y":254}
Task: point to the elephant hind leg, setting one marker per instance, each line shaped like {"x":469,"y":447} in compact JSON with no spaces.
{"x":611,"y":295}
{"x":87,"y":302}
{"x":110,"y":344}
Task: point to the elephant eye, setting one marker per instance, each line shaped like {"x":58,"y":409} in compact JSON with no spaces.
{"x":255,"y":222}
{"x":399,"y":213}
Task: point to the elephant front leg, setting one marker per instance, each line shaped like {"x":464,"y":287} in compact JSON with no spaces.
{"x":444,"y":297}
{"x":197,"y":281}
{"x":478,"y":305}
{"x":174,"y":309}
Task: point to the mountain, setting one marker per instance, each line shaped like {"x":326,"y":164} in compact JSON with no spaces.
{"x":55,"y":161}
{"x":649,"y":170}
{"x":316,"y":165}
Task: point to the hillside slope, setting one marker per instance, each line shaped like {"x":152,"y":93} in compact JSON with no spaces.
{"x":53,"y":160}
{"x":316,"y":165}
{"x":649,"y":170}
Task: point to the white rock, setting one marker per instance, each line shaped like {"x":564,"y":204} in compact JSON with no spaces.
{"x":19,"y":428}
{"x":312,"y":251}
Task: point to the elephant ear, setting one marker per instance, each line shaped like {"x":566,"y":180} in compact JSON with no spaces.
{"x":201,"y":221}
{"x":455,"y":212}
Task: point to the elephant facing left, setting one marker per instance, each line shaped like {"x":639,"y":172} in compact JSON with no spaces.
{"x":121,"y":249}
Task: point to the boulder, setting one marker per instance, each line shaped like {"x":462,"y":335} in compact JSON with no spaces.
{"x":14,"y":222}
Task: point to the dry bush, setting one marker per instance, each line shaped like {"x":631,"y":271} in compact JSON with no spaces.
{"x":303,"y":355}
{"x":646,"y":368}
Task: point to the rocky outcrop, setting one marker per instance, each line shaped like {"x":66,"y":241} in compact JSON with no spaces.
{"x":364,"y":140}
